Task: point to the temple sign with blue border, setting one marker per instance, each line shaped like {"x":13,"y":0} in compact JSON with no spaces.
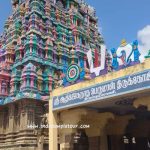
{"x":120,"y":86}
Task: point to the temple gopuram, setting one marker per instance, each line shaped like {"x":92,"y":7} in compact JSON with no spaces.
{"x":41,"y":40}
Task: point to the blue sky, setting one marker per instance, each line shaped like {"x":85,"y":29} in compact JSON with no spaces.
{"x":121,"y":18}
{"x":118,"y":19}
{"x":5,"y":11}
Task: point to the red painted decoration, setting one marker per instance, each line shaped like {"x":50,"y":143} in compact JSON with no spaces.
{"x":96,"y":55}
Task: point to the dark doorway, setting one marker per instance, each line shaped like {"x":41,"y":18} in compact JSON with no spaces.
{"x":81,"y":141}
{"x":115,"y":142}
{"x":46,"y":147}
{"x":141,"y":144}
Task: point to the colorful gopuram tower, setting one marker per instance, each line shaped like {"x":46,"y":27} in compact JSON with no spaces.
{"x":41,"y":39}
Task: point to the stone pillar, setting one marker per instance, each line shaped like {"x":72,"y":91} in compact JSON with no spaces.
{"x":32,"y":82}
{"x":39,"y":85}
{"x":53,"y":132}
{"x":27,"y":114}
{"x":50,"y":83}
{"x":30,"y":48}
{"x":23,"y":115}
{"x":103,"y":140}
{"x":1,"y":121}
{"x":73,"y":118}
{"x":28,"y":82}
{"x":20,"y":52}
{"x":11,"y":118}
{"x":46,"y":86}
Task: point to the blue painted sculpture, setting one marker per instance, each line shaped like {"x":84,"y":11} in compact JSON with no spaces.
{"x":115,"y":63}
{"x":126,"y":55}
{"x":135,"y":50}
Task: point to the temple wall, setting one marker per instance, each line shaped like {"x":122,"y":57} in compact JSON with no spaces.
{"x":14,"y":121}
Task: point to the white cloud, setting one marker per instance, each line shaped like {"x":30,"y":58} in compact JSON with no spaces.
{"x":144,"y":39}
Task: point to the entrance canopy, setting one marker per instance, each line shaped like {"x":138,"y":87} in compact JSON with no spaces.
{"x":111,"y":90}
